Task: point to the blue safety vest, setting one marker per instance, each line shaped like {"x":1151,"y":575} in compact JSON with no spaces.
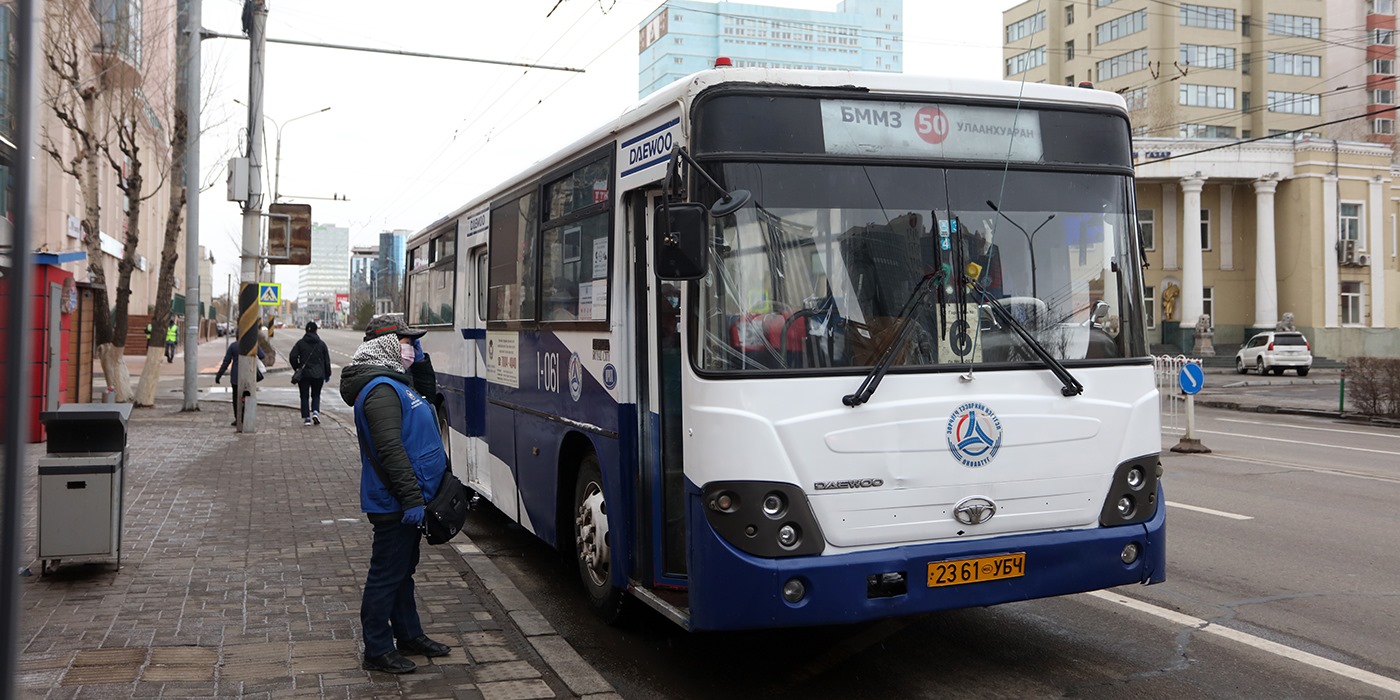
{"x":421,"y":440}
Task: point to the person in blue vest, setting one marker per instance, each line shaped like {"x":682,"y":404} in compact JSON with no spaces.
{"x":391,"y":384}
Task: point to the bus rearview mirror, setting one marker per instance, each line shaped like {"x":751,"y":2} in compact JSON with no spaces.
{"x":679,"y":245}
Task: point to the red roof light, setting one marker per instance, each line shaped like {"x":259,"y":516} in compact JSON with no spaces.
{"x":723,"y":62}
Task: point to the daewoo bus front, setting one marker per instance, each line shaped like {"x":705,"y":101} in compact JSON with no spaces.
{"x":918,"y":375}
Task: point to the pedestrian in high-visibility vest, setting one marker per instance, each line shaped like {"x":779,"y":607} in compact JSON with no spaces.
{"x":172,"y":335}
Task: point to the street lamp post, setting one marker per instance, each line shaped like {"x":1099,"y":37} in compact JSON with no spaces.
{"x":277,"y":157}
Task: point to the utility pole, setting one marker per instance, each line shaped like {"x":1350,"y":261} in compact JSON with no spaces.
{"x":248,"y":315}
{"x":187,"y":93}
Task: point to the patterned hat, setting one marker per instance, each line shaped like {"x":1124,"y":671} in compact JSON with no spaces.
{"x":390,"y":323}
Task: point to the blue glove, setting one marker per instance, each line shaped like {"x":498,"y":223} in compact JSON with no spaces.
{"x":417,"y":350}
{"x":413,"y":516}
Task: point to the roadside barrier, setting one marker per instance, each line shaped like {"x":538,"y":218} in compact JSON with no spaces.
{"x":1171,"y":401}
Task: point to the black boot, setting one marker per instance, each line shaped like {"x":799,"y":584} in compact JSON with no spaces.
{"x":423,"y":645}
{"x":392,"y":662}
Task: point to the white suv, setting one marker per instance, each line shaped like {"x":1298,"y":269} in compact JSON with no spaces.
{"x":1274,"y":352}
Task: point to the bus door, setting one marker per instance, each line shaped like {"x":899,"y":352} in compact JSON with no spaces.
{"x":661,"y":484}
{"x":469,"y":444}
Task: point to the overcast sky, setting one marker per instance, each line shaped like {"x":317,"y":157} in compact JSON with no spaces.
{"x":407,"y":140}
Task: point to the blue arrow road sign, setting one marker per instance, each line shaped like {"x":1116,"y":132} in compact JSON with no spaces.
{"x":1191,"y":378}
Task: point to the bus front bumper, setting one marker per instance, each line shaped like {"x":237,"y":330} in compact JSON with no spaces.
{"x":732,"y":590}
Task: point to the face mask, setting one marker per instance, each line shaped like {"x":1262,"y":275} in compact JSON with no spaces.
{"x":406,"y":353}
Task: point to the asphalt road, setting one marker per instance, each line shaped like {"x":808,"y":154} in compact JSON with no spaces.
{"x":1279,"y":585}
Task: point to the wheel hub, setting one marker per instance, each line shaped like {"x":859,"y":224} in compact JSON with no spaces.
{"x":591,"y":523}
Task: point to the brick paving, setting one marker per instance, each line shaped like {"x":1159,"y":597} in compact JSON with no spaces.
{"x":242,"y":562}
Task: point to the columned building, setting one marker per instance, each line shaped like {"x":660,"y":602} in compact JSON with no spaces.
{"x":1253,"y":232}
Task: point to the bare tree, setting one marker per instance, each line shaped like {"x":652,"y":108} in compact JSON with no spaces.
{"x":170,"y":253}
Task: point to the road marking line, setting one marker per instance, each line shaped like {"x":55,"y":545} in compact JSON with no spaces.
{"x":1300,"y":426}
{"x":1208,"y":511}
{"x":1301,"y":442}
{"x":1304,"y":468}
{"x":1250,"y":640}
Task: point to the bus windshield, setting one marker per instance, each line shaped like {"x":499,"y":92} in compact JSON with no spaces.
{"x":820,"y":270}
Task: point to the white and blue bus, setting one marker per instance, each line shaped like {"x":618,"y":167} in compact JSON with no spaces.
{"x":781,"y":348}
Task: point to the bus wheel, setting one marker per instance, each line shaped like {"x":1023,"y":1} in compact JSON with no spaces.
{"x":592,"y":548}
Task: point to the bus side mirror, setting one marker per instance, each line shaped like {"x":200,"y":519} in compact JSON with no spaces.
{"x":679,"y":246}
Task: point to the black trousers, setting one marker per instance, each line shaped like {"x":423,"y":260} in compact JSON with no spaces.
{"x":310,"y":396}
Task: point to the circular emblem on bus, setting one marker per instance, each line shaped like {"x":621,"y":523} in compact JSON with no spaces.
{"x":974,"y":510}
{"x":575,"y":377}
{"x":932,"y":125}
{"x":974,"y":434}
{"x":609,"y":376}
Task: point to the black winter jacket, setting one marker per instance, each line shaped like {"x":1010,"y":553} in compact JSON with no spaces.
{"x":384,"y":414}
{"x":311,"y":356}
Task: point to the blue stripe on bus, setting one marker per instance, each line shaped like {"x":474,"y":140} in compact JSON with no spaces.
{"x":465,"y":403}
{"x":731,"y":590}
{"x":473,"y":334}
{"x":653,"y":132}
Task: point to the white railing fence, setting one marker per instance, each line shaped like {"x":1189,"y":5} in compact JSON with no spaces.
{"x":1172,"y":402}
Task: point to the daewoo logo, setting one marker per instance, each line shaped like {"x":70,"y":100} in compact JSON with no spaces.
{"x":848,"y":484}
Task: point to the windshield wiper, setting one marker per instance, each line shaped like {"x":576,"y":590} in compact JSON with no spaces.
{"x":916,"y":300}
{"x":1071,"y":387}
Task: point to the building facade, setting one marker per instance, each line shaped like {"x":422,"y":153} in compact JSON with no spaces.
{"x":1248,"y":234}
{"x":387,"y":291}
{"x":1227,"y":69}
{"x":364,"y":270}
{"x":319,"y":282}
{"x":130,"y":47}
{"x":686,"y":36}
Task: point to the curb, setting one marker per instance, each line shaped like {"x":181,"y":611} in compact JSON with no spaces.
{"x":556,"y":651}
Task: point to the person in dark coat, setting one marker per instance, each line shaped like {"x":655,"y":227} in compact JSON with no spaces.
{"x":391,"y":384}
{"x":231,"y":358}
{"x":311,"y":356}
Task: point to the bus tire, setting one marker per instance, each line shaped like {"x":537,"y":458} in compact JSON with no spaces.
{"x":592,"y":548}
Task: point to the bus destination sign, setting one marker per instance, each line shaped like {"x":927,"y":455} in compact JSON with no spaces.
{"x":962,"y":132}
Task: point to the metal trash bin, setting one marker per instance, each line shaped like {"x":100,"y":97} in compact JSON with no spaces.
{"x":80,"y":483}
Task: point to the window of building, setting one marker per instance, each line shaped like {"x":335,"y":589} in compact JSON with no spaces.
{"x":1104,"y":3}
{"x":1205,"y":229}
{"x":1069,"y":80}
{"x":1147,"y":228}
{"x":1069,"y":14}
{"x":1294,"y":103}
{"x":1246,"y":100}
{"x":1206,"y":96}
{"x":1246,"y":134}
{"x":1245,"y":22}
{"x":1349,"y":224}
{"x":1120,"y":27}
{"x":1351,"y":304}
{"x":1205,"y":131}
{"x":1026,"y":27}
{"x":1380,"y":7}
{"x":1294,"y":64}
{"x":1136,"y":99}
{"x":1122,"y":64}
{"x":1208,"y":303}
{"x":1207,"y":17}
{"x":1381,"y":97}
{"x":1149,"y":305}
{"x":1383,"y":126}
{"x":1069,"y":50}
{"x":1383,"y":66}
{"x":1385,"y":37}
{"x":1244,"y":63}
{"x":1023,"y":62}
{"x":1295,"y":25}
{"x":1207,"y":56}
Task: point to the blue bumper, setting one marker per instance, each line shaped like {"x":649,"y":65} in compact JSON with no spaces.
{"x":732,"y":590}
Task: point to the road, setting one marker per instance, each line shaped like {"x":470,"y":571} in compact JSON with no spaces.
{"x":1279,"y":585}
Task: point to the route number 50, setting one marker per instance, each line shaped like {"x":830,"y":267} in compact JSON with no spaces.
{"x":932,"y":125}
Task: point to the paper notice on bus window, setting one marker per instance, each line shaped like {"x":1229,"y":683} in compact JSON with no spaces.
{"x":858,"y":127}
{"x":600,"y":300}
{"x":585,"y":301}
{"x":600,"y":258}
{"x":503,"y":358}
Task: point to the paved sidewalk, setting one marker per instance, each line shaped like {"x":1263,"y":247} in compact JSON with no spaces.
{"x":243,"y":558}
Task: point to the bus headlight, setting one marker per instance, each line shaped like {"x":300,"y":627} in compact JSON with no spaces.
{"x":794,"y":591}
{"x":762,"y":518}
{"x":1132,"y":496}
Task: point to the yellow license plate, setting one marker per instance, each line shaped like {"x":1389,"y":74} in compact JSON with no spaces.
{"x":960,"y":571}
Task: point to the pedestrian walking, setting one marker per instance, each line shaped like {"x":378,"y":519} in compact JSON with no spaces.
{"x":231,"y":356}
{"x":401,"y":467}
{"x":172,"y":336}
{"x":311,"y":367}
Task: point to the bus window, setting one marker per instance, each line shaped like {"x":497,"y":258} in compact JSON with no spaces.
{"x":431,"y":288}
{"x":482,"y":262}
{"x":511,"y":296}
{"x":575,"y":244}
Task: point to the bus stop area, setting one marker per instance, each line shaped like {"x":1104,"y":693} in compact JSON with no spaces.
{"x":243,"y":559}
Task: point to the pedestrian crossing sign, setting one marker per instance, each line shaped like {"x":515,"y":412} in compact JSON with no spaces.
{"x":269,"y":294}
